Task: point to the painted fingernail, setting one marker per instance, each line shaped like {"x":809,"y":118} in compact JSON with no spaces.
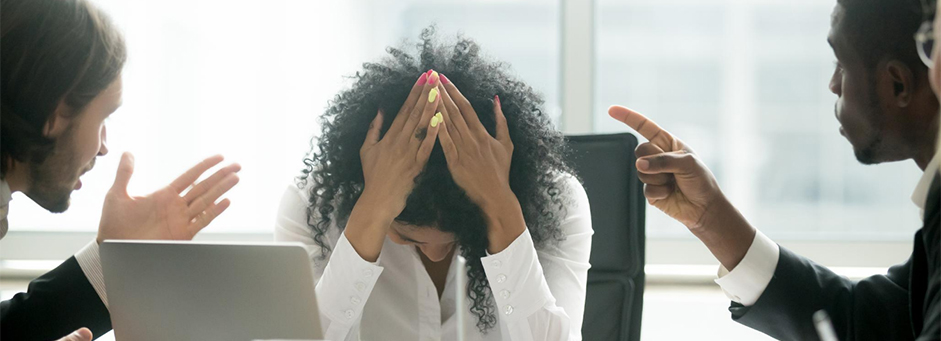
{"x":444,"y":79}
{"x":422,"y":80}
{"x":433,"y":78}
{"x":433,"y":95}
{"x":436,"y":119}
{"x":496,"y":98}
{"x":429,"y":72}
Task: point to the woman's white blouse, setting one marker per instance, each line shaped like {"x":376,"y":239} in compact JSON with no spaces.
{"x":539,"y":294}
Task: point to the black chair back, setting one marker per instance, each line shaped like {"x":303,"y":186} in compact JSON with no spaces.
{"x":615,"y":301}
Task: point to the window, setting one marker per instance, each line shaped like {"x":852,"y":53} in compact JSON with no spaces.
{"x":745,"y":84}
{"x":523,"y":33}
{"x":250,"y":82}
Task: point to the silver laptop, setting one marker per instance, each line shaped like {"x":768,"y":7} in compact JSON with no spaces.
{"x":159,"y":290}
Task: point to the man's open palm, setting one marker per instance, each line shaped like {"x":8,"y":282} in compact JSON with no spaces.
{"x":166,"y":213}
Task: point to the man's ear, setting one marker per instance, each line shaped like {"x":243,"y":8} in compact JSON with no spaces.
{"x":903,"y":82}
{"x":59,"y":121}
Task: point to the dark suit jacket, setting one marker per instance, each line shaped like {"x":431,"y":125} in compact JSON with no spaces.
{"x":55,"y":305}
{"x":904,"y":304}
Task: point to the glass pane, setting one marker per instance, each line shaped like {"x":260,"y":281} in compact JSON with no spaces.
{"x":523,"y":33}
{"x":745,"y":84}
{"x":250,"y":79}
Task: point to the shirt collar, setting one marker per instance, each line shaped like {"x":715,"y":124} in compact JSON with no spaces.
{"x":920,"y":196}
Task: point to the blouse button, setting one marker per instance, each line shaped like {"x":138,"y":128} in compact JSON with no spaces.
{"x":367,"y":273}
{"x":349,"y":314}
{"x":497,"y":264}
{"x":505,"y":294}
{"x":501,"y":278}
{"x":354,"y":300}
{"x":508,"y":310}
{"x":360,"y":286}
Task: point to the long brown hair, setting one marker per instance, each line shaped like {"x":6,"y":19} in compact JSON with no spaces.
{"x":51,"y":52}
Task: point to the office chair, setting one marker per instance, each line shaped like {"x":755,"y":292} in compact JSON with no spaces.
{"x":605,"y":164}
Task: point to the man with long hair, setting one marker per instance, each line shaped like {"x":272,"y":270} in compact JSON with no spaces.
{"x":62,"y":62}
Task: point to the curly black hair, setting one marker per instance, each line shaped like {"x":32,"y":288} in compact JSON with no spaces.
{"x":334,"y":175}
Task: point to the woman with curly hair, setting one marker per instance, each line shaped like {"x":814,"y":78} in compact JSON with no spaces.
{"x":408,"y":173}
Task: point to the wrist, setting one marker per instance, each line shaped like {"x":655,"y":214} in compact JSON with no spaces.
{"x":379,"y":207}
{"x":505,"y":223}
{"x":368,"y":224}
{"x":498,"y":204}
{"x":725,"y":232}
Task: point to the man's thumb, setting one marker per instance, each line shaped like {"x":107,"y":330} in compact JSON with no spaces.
{"x":82,"y":334}
{"x":125,"y":169}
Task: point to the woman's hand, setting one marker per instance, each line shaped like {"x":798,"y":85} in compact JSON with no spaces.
{"x":480,"y":164}
{"x":390,"y":165}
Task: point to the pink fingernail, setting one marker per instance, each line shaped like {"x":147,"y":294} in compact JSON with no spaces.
{"x":433,"y":78}
{"x":422,"y":80}
{"x":428,"y":73}
{"x":496,"y":98}
{"x":444,"y":79}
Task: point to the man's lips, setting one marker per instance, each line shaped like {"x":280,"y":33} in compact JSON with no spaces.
{"x":78,"y":183}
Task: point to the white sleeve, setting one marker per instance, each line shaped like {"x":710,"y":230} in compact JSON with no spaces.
{"x":540,"y":295}
{"x":90,"y":261}
{"x":343,"y":280}
{"x":748,"y":280}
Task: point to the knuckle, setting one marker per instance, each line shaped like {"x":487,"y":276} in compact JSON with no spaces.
{"x":646,"y":149}
{"x":657,"y":161}
{"x":648,"y":191}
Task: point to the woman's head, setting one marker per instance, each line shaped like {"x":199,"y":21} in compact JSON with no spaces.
{"x":432,"y":242}
{"x":438,"y":214}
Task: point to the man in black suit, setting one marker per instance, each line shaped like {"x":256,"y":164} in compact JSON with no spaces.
{"x":62,"y":62}
{"x":888,"y":112}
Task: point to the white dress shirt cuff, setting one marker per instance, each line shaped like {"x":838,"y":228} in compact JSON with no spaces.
{"x":516,"y":279}
{"x":90,"y":262}
{"x":347,"y":281}
{"x":748,"y":280}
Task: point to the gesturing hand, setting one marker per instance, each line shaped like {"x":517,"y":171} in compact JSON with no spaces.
{"x":675,"y":181}
{"x":480,"y":164}
{"x":390,"y":165}
{"x":82,"y":334}
{"x":165,"y":214}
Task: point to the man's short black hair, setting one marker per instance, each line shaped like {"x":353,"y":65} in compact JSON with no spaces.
{"x":884,"y":29}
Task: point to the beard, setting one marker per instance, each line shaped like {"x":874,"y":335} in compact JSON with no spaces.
{"x":871,"y":152}
{"x":52,"y":180}
{"x":867,"y":155}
